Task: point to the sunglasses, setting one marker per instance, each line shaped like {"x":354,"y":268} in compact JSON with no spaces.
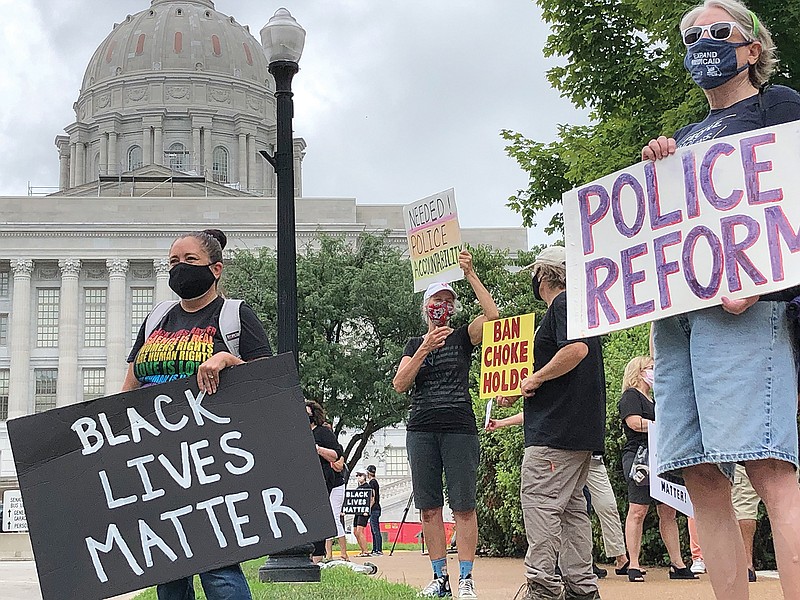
{"x":720,"y":30}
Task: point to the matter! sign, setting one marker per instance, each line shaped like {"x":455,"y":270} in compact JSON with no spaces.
{"x":14,"y":519}
{"x":664,"y":490}
{"x":506,"y":355}
{"x":434,"y":239}
{"x":163,"y":482}
{"x":717,"y":219}
{"x":357,"y":501}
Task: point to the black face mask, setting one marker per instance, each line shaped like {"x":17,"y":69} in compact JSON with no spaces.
{"x":191,"y":281}
{"x":536,"y":283}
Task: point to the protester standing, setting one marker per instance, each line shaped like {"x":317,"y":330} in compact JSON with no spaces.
{"x":195,"y":269}
{"x":442,"y":433}
{"x":737,"y":405}
{"x":564,"y":416}
{"x":360,"y":521}
{"x":375,"y":512}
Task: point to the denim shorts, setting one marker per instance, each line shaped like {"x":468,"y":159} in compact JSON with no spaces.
{"x":725,"y":387}
{"x":454,"y":454}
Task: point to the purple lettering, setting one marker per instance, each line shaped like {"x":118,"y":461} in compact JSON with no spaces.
{"x":778,"y":227}
{"x":707,"y":183}
{"x":630,"y":278}
{"x":735,"y":251}
{"x":626,"y":179}
{"x":664,"y":267}
{"x":657,"y":220}
{"x":709,"y":291}
{"x":597,"y":294}
{"x":589,"y":218}
{"x":752,"y":168}
{"x":690,"y":185}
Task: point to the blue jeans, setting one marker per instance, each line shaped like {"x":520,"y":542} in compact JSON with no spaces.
{"x":375,"y":528}
{"x":226,"y":583}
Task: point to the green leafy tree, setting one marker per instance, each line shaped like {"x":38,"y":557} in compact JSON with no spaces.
{"x":355,"y":312}
{"x":623,"y":63}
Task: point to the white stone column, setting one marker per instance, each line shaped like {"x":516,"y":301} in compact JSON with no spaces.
{"x":114,"y":168}
{"x":253,"y":180}
{"x":117,"y":336}
{"x":158,"y":145}
{"x":80,"y":163}
{"x":147,"y":147}
{"x":73,"y":159}
{"x":163,"y":291}
{"x":243,"y":160}
{"x":103,"y":170}
{"x":19,"y":379}
{"x":68,"y":380}
{"x":63,"y":171}
{"x":197,"y":150}
{"x":207,"y":158}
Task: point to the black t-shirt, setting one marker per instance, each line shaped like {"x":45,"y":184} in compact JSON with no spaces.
{"x":567,"y":412}
{"x":184,"y":340}
{"x":373,"y":483}
{"x":440,"y":400}
{"x":324,"y":437}
{"x":633,"y":402}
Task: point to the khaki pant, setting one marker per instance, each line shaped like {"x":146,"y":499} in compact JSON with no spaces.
{"x":604,"y":504}
{"x":556,"y":522}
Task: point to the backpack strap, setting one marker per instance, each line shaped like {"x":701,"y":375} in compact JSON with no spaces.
{"x":230,"y":325}
{"x":761,"y":107}
{"x":157,"y":315}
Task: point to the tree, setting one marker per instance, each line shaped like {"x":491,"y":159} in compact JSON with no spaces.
{"x":624,"y":64}
{"x":356,"y":310}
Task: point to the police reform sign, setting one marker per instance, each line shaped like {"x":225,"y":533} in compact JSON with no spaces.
{"x":163,"y":482}
{"x":506,"y":355}
{"x":434,"y":239}
{"x":717,"y":219}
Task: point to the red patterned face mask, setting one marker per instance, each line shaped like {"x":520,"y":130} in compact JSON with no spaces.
{"x":440,"y":312}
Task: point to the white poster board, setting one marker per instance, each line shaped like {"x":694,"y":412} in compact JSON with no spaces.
{"x":13,"y":512}
{"x":434,"y":239}
{"x":671,"y":494}
{"x":717,"y":219}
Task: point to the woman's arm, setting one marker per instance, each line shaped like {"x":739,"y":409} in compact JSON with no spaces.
{"x":130,"y":383}
{"x":490,"y":312}
{"x":494,"y":424}
{"x":637,"y":423}
{"x":327,"y":453}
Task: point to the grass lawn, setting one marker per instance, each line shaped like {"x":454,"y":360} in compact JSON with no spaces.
{"x":336,"y":584}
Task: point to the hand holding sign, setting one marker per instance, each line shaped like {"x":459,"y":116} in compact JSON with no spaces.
{"x":659,"y":148}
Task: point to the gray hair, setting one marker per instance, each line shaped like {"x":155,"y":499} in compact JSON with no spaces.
{"x":746,"y":20}
{"x":555,"y":276}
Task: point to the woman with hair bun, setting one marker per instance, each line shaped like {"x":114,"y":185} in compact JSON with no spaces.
{"x":195,"y":268}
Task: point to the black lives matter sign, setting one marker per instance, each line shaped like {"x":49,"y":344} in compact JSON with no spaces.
{"x":148,"y":486}
{"x":357,"y":502}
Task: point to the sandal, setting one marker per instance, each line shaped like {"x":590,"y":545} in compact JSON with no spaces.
{"x":635,"y":575}
{"x":364,"y":555}
{"x":623,"y":570}
{"x":678,"y":573}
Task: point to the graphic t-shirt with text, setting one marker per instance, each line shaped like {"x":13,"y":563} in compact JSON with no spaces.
{"x":183,"y":340}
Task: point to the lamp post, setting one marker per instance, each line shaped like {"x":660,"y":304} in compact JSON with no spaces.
{"x":283,"y":40}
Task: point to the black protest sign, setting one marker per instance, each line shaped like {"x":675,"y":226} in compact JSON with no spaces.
{"x":356,"y":502}
{"x":148,"y":486}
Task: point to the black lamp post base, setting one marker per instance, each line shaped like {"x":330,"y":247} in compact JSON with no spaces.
{"x":291,"y":566}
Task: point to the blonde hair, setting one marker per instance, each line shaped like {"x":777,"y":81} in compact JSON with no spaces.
{"x":632,"y":376}
{"x":555,"y":276}
{"x":754,"y":30}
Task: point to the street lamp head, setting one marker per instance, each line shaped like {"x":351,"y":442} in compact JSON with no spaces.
{"x":283,"y":38}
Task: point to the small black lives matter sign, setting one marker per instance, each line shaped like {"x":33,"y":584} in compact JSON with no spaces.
{"x":148,"y":486}
{"x":356,"y":502}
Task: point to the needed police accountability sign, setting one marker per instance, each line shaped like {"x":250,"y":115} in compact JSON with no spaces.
{"x":164,"y":482}
{"x":717,"y":219}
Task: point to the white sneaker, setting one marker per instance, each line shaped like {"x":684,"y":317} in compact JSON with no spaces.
{"x":698,"y":567}
{"x":466,"y":588}
{"x":438,"y":588}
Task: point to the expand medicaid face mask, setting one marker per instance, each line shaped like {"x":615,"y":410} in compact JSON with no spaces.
{"x":713,"y":62}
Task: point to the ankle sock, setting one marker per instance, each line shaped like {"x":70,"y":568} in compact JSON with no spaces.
{"x":465,"y":568}
{"x":439,"y":567}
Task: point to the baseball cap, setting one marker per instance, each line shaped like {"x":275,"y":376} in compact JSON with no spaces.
{"x":555,"y":256}
{"x":371,"y":469}
{"x":437,"y":287}
{"x":361,"y":472}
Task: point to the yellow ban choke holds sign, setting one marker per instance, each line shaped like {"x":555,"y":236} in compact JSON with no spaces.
{"x":506,"y":355}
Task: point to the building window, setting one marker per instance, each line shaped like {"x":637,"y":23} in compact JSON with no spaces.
{"x":177,"y":157}
{"x":45,"y":396}
{"x":219,"y":165}
{"x":94,"y":324}
{"x":396,"y":462}
{"x":47,"y":317}
{"x":4,"y":377}
{"x":94,"y":383}
{"x":141,"y":305}
{"x":4,"y":329}
{"x":4,"y":281}
{"x":134,"y":158}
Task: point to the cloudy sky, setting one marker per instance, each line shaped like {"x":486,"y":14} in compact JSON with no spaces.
{"x":397,"y":99}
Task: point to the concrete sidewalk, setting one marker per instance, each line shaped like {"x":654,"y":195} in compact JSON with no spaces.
{"x":18,"y":581}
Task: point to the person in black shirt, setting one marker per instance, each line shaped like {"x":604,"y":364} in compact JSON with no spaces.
{"x":375,"y":512}
{"x":564,"y":420}
{"x":637,"y":411}
{"x":195,"y":269}
{"x":442,"y":433}
{"x":329,"y":450}
{"x":361,"y":521}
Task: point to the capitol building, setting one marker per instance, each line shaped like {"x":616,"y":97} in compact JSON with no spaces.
{"x":174,"y":107}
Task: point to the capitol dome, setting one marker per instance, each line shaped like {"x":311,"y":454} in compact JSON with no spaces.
{"x":181,"y":86}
